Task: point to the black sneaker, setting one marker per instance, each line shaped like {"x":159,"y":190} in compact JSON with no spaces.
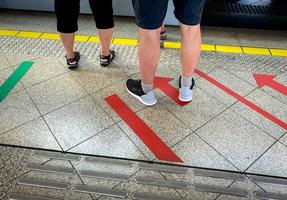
{"x":134,"y":88}
{"x":106,"y":60}
{"x":73,"y":62}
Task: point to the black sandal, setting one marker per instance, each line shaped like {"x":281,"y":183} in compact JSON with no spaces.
{"x":106,"y":60}
{"x":73,"y":62}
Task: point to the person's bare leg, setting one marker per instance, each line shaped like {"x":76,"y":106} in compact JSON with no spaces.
{"x":105,"y":36}
{"x":191,"y":48}
{"x":149,"y":52}
{"x":68,"y":43}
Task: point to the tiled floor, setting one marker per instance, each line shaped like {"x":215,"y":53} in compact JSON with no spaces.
{"x":54,"y":108}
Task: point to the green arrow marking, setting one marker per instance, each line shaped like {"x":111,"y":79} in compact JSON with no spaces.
{"x":15,"y":77}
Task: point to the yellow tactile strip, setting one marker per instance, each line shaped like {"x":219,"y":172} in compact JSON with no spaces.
{"x":134,"y":42}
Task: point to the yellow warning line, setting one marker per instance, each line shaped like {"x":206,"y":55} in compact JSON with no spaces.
{"x":134,"y":42}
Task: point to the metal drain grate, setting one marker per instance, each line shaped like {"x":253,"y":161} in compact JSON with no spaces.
{"x":43,"y":175}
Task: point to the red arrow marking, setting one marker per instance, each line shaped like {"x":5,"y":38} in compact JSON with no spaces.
{"x":243,"y":100}
{"x":162,"y":83}
{"x":151,"y":140}
{"x":263,"y":80}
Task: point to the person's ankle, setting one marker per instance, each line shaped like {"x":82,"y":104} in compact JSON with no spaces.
{"x":70,"y":55}
{"x":105,"y":53}
{"x":186,"y":80}
{"x":146,"y":87}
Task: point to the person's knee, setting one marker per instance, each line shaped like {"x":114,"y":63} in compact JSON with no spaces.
{"x":190,"y":31}
{"x":187,"y":29}
{"x":151,"y":35}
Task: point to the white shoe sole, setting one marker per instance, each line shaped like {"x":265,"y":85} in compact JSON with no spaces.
{"x":185,"y":100}
{"x":138,"y":98}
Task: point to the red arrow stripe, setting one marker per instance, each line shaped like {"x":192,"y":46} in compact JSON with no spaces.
{"x":278,"y":87}
{"x":243,"y":100}
{"x":162,"y":83}
{"x":145,"y":133}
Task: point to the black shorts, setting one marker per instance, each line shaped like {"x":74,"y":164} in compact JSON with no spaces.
{"x":151,"y":13}
{"x":67,"y":12}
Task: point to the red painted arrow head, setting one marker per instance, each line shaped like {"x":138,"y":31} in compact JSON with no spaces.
{"x":263,"y":79}
{"x":158,"y":81}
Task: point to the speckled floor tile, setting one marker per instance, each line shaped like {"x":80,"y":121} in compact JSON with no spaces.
{"x":5,"y":74}
{"x":120,"y":90}
{"x":94,"y":77}
{"x":230,"y":81}
{"x":56,"y":92}
{"x":163,"y":123}
{"x":111,"y":142}
{"x":284,"y":139}
{"x":273,"y":162}
{"x":43,"y":69}
{"x":15,"y":110}
{"x":32,"y":134}
{"x":4,"y":62}
{"x":77,"y":122}
{"x":269,"y":104}
{"x":16,"y":59}
{"x":201,"y":110}
{"x":194,"y":151}
{"x":236,"y":139}
{"x":282,"y":79}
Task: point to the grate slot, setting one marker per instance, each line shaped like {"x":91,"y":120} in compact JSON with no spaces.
{"x":108,"y":161}
{"x":59,"y":156}
{"x":43,"y":183}
{"x":219,"y":174}
{"x":146,"y":196}
{"x":51,"y":169}
{"x":28,"y":197}
{"x":274,"y":196}
{"x":161,"y":183}
{"x":101,"y":191}
{"x":104,"y":175}
{"x":221,"y":190}
{"x":162,"y":168}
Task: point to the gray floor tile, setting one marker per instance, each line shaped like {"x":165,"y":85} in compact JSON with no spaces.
{"x":137,"y":141}
{"x":127,"y":63}
{"x":243,"y":65}
{"x":202,"y":109}
{"x":5,"y":74}
{"x":230,"y":81}
{"x":15,"y":110}
{"x":43,"y":69}
{"x":94,"y":77}
{"x":120,"y":90}
{"x":32,"y":134}
{"x":77,"y":122}
{"x":273,"y":162}
{"x":164,"y":124}
{"x":111,"y":142}
{"x":270,"y":105}
{"x":282,"y":79}
{"x":56,"y":92}
{"x":194,"y":151}
{"x":4,"y":62}
{"x":16,"y":59}
{"x":284,"y":139}
{"x":235,"y":138}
